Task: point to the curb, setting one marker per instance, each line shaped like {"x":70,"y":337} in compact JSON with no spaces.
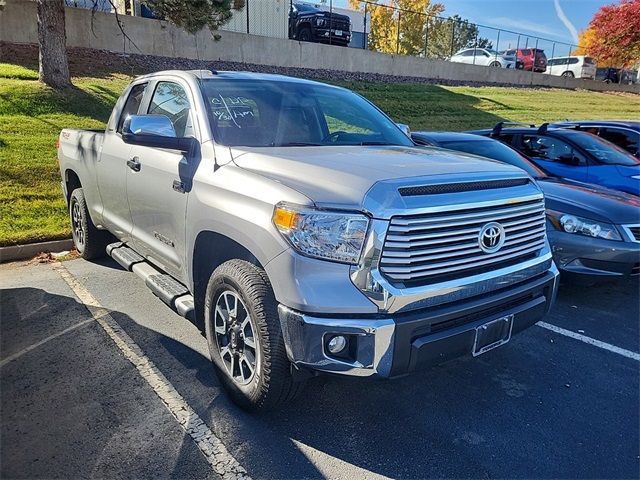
{"x":21,"y":252}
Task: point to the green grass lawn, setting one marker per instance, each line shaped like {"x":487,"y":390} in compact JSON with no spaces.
{"x":32,"y":115}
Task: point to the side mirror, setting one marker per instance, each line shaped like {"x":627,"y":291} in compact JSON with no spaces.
{"x":154,"y":131}
{"x":569,"y":159}
{"x":405,"y":129}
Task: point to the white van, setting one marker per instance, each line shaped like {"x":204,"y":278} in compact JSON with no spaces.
{"x":577,"y":66}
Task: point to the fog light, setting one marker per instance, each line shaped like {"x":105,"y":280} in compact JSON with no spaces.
{"x":337,"y":344}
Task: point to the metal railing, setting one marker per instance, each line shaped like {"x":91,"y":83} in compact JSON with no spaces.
{"x":386,"y":28}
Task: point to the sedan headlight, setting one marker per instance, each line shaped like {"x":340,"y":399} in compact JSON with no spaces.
{"x":582,"y":226}
{"x":329,"y":235}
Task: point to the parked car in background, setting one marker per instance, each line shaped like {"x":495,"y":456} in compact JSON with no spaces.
{"x":573,"y":154}
{"x":484,"y":56}
{"x":608,"y":74}
{"x":529,"y":58}
{"x":594,"y":231}
{"x":303,"y":231}
{"x":308,"y":23}
{"x":623,"y":133}
{"x":577,"y":66}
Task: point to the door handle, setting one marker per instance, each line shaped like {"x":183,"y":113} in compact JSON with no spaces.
{"x":178,"y":186}
{"x":134,"y":164}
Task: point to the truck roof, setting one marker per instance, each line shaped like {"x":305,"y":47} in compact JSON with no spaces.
{"x":212,"y":74}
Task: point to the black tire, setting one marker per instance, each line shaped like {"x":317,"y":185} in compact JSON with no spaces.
{"x":271,"y":384}
{"x":495,"y":64}
{"x":90,"y":242}
{"x":304,"y":34}
{"x":568,"y":74}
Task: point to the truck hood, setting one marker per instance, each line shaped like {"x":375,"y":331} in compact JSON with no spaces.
{"x":591,"y":201}
{"x":340,"y":176}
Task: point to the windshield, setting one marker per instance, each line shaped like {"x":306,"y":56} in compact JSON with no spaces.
{"x":496,"y":151}
{"x":603,"y":150}
{"x":263,"y":113}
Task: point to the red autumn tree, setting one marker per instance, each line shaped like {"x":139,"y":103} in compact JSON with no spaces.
{"x":616,"y":34}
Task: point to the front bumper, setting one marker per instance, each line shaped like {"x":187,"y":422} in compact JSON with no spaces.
{"x":594,"y":257}
{"x":394,"y":345}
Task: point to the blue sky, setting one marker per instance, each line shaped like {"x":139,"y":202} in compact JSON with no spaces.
{"x":534,"y":17}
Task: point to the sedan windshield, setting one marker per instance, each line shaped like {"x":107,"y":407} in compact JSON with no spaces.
{"x":606,"y":152}
{"x":496,"y":151}
{"x":263,"y":113}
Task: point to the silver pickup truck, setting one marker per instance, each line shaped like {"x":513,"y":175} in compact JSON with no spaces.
{"x":303,"y":231}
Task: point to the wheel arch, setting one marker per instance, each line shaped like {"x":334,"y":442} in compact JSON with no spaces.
{"x":210,"y":250}
{"x":71,"y":181}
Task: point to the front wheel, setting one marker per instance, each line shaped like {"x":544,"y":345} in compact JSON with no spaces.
{"x":304,"y":34}
{"x":495,"y":64}
{"x":245,"y":338}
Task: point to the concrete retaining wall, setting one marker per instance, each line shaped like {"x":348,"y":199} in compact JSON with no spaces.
{"x":154,"y":37}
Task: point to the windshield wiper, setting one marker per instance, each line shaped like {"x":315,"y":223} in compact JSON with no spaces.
{"x":297,"y":144}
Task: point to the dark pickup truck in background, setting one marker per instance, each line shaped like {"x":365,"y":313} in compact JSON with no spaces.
{"x":310,"y":24}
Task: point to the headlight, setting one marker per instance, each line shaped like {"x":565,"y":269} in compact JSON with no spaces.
{"x":328,"y":235}
{"x":582,"y":226}
{"x":321,"y":22}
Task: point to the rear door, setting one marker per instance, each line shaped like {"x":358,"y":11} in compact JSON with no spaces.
{"x":159,"y":190}
{"x":111,"y":168}
{"x":556,"y":156}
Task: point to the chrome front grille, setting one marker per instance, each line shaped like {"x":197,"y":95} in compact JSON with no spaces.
{"x":633,"y":231}
{"x":420,"y":248}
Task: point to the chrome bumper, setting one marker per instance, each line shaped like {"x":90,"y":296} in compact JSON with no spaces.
{"x":390,"y":346}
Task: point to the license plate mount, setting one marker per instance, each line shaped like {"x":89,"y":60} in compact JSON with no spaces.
{"x":492,"y":334}
{"x":339,"y":33}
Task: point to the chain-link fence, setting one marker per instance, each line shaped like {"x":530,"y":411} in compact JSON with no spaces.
{"x":389,"y":29}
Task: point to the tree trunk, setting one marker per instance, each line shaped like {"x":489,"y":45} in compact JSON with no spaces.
{"x":52,"y":38}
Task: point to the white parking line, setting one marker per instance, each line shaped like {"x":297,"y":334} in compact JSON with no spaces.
{"x":213,"y":449}
{"x":16,"y":355}
{"x":591,"y":341}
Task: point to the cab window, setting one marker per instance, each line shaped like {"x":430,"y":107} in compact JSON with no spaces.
{"x":132,"y":105}
{"x":171,"y":100}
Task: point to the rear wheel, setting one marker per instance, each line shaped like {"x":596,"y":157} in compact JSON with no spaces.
{"x":495,"y":64}
{"x":568,"y":74}
{"x":88,"y":240}
{"x":245,"y":338}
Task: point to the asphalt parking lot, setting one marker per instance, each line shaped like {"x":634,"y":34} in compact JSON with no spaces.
{"x":72,"y":404}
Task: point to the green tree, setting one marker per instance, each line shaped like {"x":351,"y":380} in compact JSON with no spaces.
{"x":447,"y":36}
{"x":194,"y":15}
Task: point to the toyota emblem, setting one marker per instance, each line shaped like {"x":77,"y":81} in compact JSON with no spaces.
{"x":491,"y":237}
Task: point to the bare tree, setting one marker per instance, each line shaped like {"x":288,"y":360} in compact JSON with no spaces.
{"x":52,"y":38}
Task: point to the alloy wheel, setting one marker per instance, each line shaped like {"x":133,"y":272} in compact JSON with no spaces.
{"x":76,"y":224}
{"x":236,"y":337}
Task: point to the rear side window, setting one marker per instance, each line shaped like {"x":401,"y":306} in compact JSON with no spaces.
{"x":171,"y":100}
{"x":573,"y":61}
{"x":623,"y":138}
{"x":132,"y":105}
{"x":526,"y":52}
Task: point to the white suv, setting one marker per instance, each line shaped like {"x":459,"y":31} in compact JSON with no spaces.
{"x":484,"y":56}
{"x":574,"y":67}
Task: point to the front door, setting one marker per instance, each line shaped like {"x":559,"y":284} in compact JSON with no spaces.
{"x":556,"y":156}
{"x":157,"y":188}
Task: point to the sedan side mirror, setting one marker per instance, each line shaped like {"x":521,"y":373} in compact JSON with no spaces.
{"x":154,"y":131}
{"x":405,"y":129}
{"x":569,"y":159}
